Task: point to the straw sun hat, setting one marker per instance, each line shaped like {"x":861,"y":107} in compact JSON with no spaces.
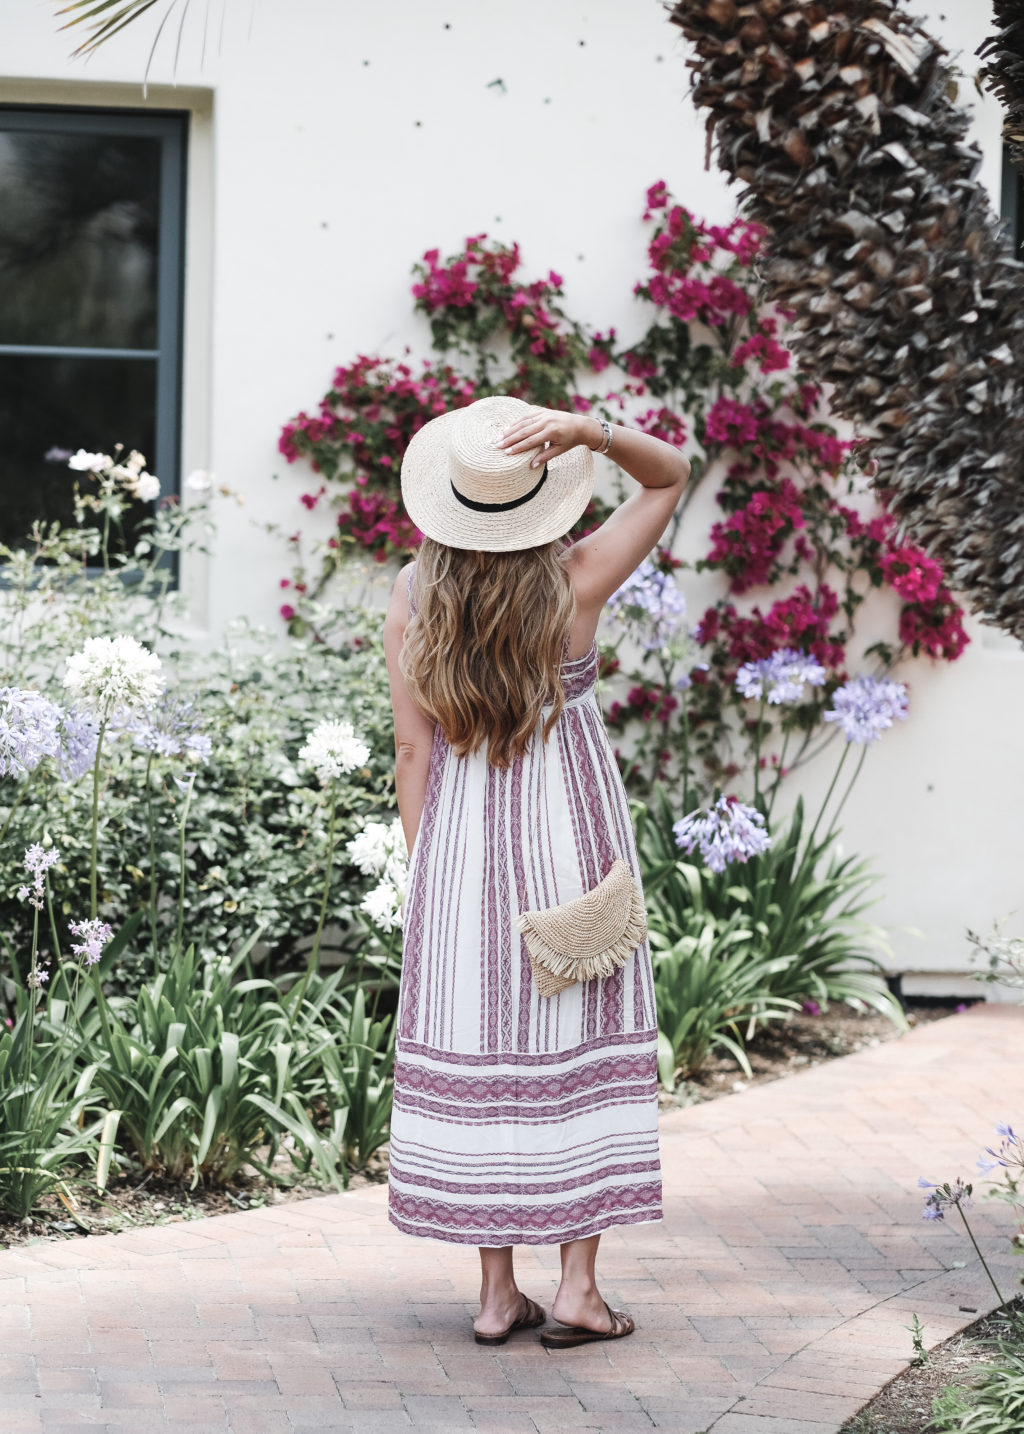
{"x":462,"y":490}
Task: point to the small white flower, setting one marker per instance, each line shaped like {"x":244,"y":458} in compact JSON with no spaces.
{"x":199,"y":481}
{"x":379,"y":849}
{"x":147,"y":488}
{"x":135,"y":462}
{"x":332,"y":749}
{"x":112,"y":673}
{"x":84,"y":462}
{"x":383,"y":905}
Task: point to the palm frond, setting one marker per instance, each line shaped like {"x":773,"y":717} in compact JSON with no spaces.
{"x":103,"y":24}
{"x":1003,"y":72}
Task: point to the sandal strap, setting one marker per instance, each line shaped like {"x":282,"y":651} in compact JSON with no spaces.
{"x":618,"y":1317}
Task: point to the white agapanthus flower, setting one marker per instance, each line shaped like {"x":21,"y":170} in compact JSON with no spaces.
{"x":383,"y":905}
{"x":332,"y":749}
{"x":379,"y":849}
{"x":147,"y":487}
{"x":113,"y":673}
{"x":83,"y":462}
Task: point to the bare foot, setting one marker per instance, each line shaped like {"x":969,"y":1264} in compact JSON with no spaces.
{"x":500,"y":1311}
{"x":583,"y":1308}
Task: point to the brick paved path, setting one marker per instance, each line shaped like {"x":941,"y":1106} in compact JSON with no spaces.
{"x":773,"y":1299}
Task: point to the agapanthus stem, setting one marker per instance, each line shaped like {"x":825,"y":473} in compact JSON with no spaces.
{"x":33,"y":994}
{"x":981,"y":1257}
{"x":152,"y":865}
{"x":686,"y":755}
{"x":93,"y":884}
{"x":849,"y":788}
{"x":757,"y":755}
{"x":389,"y":947}
{"x":314,"y":955}
{"x":828,"y":796}
{"x":778,"y":774}
{"x":53,"y":920}
{"x":181,"y":863}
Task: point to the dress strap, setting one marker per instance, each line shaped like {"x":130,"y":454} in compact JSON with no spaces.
{"x":412,"y":600}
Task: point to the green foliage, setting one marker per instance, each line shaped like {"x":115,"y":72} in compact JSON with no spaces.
{"x":181,"y":1057}
{"x":916,"y":1329}
{"x":948,"y":1408}
{"x":353,"y":1073}
{"x":201,"y":1067}
{"x":44,"y":1104}
{"x":803,"y":898}
{"x":992,"y":1402}
{"x":711,"y":991}
{"x":736,"y":949}
{"x":257,"y":821}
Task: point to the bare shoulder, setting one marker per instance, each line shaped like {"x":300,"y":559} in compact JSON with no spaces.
{"x":399,"y":611}
{"x":402,"y":585}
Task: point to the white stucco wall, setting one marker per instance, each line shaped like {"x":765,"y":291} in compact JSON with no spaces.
{"x":332,"y":144}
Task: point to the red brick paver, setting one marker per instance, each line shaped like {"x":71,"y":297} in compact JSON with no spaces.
{"x":774,"y":1299}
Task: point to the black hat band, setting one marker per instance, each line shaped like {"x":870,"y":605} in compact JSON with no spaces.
{"x":501,"y":507}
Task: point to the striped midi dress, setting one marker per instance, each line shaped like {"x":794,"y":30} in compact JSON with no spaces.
{"x":519,"y":1118}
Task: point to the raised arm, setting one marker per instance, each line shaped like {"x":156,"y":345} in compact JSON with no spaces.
{"x":602,"y":561}
{"x":414,"y":731}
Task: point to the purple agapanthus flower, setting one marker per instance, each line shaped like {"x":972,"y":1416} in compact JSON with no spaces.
{"x":650,"y":603}
{"x":780,"y":678}
{"x":93,"y":935}
{"x":865,"y":707}
{"x":78,"y":732}
{"x":29,"y":730}
{"x":172,"y":729}
{"x":725,"y":832}
{"x":944,"y":1197}
{"x":1008,"y":1155}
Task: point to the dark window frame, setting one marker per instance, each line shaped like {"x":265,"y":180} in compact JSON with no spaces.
{"x":171,"y":128}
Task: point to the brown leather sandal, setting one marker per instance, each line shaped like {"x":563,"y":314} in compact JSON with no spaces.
{"x":573,"y":1334}
{"x":531,"y":1317}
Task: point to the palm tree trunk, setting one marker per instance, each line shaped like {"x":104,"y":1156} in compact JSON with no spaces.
{"x":841,"y":122}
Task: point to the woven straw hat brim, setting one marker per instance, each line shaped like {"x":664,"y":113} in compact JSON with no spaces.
{"x":433,"y":507}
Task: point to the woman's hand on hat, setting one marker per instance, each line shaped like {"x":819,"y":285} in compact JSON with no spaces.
{"x":551,"y":430}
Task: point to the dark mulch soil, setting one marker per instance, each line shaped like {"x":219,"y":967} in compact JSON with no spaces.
{"x":804,"y":1040}
{"x":904,"y":1406}
{"x":133,"y":1199}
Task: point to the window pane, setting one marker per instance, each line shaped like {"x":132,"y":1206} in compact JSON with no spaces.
{"x":78,"y":238}
{"x":63,"y":403}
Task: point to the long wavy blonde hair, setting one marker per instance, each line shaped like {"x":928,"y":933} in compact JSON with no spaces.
{"x":483,"y":651}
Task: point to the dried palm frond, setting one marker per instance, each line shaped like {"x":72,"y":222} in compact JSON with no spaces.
{"x":840,"y":120}
{"x":1004,"y":72}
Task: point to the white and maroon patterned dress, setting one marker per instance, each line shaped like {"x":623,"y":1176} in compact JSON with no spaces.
{"x":520,"y":1119}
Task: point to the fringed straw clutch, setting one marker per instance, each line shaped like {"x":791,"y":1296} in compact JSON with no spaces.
{"x":587,"y":938}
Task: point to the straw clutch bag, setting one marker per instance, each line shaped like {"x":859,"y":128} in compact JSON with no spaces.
{"x":589,"y":937}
